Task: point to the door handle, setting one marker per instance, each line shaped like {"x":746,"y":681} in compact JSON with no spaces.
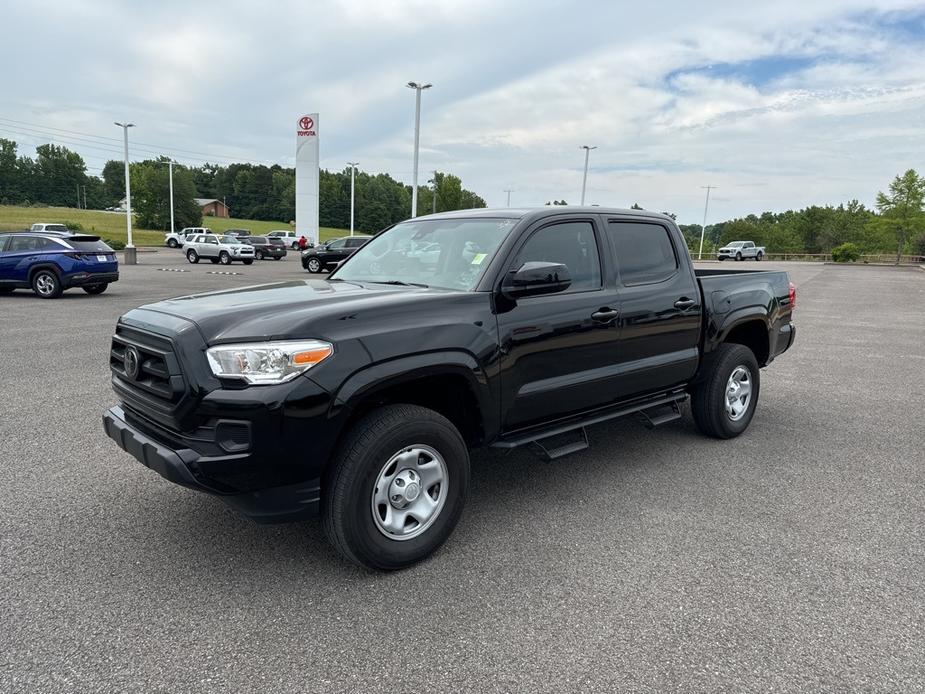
{"x":605,"y":315}
{"x":684,"y":303}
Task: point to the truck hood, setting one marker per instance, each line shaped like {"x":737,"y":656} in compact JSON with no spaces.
{"x":284,"y":310}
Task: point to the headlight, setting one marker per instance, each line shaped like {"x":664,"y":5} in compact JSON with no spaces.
{"x":265,"y":363}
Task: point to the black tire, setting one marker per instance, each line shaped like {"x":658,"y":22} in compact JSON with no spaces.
{"x":46,"y":284}
{"x":278,"y":258}
{"x":7,"y":290}
{"x":759,"y":256}
{"x":172,"y":243}
{"x":259,"y":255}
{"x":224,"y":258}
{"x":721,"y":258}
{"x":708,"y":400}
{"x":96,"y":288}
{"x":192,"y":256}
{"x":314,"y":265}
{"x":249,"y":261}
{"x":347,"y":494}
{"x":738,"y":256}
{"x":214,"y":261}
{"x":295,"y":245}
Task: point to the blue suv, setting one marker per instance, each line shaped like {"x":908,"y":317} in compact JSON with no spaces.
{"x":50,"y":262}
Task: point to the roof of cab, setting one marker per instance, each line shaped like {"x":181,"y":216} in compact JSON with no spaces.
{"x":544,"y":211}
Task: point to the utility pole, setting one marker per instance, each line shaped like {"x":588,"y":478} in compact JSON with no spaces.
{"x":584,"y":179}
{"x":85,"y":197}
{"x":78,"y":196}
{"x":418,"y":88}
{"x":509,"y":196}
{"x":130,"y":253}
{"x":703,"y":229}
{"x":353,"y":169}
{"x":170,"y":174}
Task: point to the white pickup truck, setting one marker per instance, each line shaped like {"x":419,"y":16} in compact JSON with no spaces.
{"x":175,"y":239}
{"x":218,"y":249}
{"x":740,"y":250}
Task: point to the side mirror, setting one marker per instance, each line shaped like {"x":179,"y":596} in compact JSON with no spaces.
{"x":536,"y":278}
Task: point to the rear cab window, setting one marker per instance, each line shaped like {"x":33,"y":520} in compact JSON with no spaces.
{"x":645,"y":252}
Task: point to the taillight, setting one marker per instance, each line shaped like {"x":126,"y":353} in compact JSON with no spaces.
{"x":793,"y":296}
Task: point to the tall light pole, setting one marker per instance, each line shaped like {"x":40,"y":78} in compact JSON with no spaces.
{"x":433,"y":197}
{"x":509,"y":196}
{"x":418,"y":88}
{"x":353,"y":169}
{"x":130,"y":257}
{"x":703,"y":229}
{"x":170,"y":174}
{"x":584,"y":179}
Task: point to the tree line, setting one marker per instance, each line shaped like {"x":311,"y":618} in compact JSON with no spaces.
{"x":58,"y":177}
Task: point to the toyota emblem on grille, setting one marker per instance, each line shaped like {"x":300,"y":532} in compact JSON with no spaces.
{"x":132,"y":362}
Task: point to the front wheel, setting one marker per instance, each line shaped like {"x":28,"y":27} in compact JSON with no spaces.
{"x":396,"y":488}
{"x":224,"y":258}
{"x":192,"y":256}
{"x":249,"y":261}
{"x":721,"y":258}
{"x":172,"y":243}
{"x":313,"y":265}
{"x":96,"y":288}
{"x":738,"y":256}
{"x":724,"y":403}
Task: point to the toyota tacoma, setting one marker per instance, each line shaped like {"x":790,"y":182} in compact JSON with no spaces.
{"x":360,"y":396}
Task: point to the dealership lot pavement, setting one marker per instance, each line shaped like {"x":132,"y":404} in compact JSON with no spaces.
{"x":790,"y":559}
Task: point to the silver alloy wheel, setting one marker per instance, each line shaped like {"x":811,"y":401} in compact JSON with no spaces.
{"x":738,"y":393}
{"x":45,"y":284}
{"x":314,"y":265}
{"x":410,"y":492}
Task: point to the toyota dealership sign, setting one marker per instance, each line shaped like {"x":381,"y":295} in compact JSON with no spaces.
{"x":306,"y":176}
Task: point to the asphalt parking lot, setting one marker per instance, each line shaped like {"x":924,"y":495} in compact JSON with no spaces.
{"x":789,"y":559}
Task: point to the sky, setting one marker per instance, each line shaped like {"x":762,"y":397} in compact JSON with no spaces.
{"x":779,"y":105}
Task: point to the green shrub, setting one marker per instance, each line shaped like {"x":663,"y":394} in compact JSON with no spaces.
{"x":73,"y":226}
{"x":846,"y":253}
{"x":114,"y":244}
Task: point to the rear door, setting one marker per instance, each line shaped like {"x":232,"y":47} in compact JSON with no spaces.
{"x":559,"y":351}
{"x":660,"y":306}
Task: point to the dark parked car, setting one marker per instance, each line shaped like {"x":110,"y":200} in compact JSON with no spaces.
{"x":331,"y":253}
{"x":267,"y":247}
{"x":239,"y":233}
{"x":360,"y":396}
{"x":51,"y":262}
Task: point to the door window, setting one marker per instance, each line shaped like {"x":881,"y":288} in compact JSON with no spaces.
{"x":645,"y":253}
{"x":570,"y":243}
{"x":337,"y":245}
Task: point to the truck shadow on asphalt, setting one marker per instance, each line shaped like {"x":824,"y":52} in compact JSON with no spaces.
{"x":515,"y":499}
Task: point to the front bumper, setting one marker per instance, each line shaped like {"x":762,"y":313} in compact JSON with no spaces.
{"x":183,"y":466}
{"x":82,"y":279}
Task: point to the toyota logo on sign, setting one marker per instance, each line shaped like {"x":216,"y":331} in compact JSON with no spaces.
{"x":306,"y":123}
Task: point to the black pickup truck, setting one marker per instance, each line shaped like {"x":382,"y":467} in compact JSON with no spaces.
{"x":360,"y":396}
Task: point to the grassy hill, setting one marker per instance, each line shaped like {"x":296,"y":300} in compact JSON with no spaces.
{"x":111,"y":225}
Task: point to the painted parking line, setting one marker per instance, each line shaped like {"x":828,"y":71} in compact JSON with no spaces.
{"x":171,"y":269}
{"x":220,"y":272}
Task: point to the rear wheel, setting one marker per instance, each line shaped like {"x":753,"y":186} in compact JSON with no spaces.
{"x":224,"y":258}
{"x":295,"y":245}
{"x":396,"y":488}
{"x":759,"y":256}
{"x":724,"y":403}
{"x":45,"y":283}
{"x":96,"y":288}
{"x":259,"y":255}
{"x":192,"y":256}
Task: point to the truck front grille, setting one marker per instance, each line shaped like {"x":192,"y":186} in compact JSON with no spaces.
{"x":146,"y":372}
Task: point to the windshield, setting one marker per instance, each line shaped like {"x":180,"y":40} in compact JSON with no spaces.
{"x":446,"y":253}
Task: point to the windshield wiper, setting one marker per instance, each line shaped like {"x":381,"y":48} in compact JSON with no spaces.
{"x":396,"y":282}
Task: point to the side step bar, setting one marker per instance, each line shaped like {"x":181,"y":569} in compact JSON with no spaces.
{"x":657,"y":416}
{"x":672,"y":401}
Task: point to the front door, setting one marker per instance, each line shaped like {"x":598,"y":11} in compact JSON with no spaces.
{"x":660,"y":307}
{"x":559,"y":350}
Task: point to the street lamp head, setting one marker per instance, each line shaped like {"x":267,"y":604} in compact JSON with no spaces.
{"x":125,"y":125}
{"x":415,"y":85}
{"x":587,"y":148}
